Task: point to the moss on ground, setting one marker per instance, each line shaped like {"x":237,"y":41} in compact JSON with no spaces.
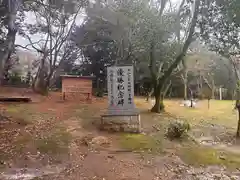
{"x":21,"y":113}
{"x":13,"y":108}
{"x":140,"y":143}
{"x":56,"y":143}
{"x":205,"y":156}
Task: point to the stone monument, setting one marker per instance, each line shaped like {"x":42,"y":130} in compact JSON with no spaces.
{"x":122,"y":114}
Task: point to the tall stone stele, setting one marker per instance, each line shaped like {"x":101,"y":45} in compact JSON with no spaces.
{"x":121,"y":90}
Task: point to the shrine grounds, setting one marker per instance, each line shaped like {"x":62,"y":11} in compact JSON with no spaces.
{"x":52,"y":139}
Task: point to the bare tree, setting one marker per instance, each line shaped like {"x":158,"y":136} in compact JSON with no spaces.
{"x":55,"y":24}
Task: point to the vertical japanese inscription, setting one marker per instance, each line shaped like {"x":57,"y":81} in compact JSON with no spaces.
{"x":129,"y":87}
{"x":111,"y":87}
{"x":120,"y":86}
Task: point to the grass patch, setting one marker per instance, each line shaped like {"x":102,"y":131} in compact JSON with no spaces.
{"x":56,"y":143}
{"x":140,"y":143}
{"x":21,"y":113}
{"x":21,"y":143}
{"x":13,"y":109}
{"x":23,"y":121}
{"x":142,"y":102}
{"x":198,"y":156}
{"x":220,"y":112}
{"x":87,"y":116}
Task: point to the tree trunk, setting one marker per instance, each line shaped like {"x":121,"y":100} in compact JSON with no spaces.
{"x":201,"y":87}
{"x":149,"y":94}
{"x":238,"y":128}
{"x":185,"y":79}
{"x":213,"y":93}
{"x":40,"y":86}
{"x":166,"y":89}
{"x":98,"y":84}
{"x":158,"y":85}
{"x":186,"y":45}
{"x":185,"y":89}
{"x":213,"y":88}
{"x":238,"y":107}
{"x":160,"y":91}
{"x":10,"y":40}
{"x":49,"y":77}
{"x":159,"y":106}
{"x":56,"y":73}
{"x":158,"y":94}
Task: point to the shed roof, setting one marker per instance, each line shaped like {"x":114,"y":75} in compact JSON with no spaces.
{"x":76,"y":76}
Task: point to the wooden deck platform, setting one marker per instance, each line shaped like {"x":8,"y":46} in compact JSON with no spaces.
{"x":15,"y":99}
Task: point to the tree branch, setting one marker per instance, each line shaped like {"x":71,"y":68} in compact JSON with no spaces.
{"x":186,"y":44}
{"x":32,"y":44}
{"x":26,"y":46}
{"x":65,"y":38}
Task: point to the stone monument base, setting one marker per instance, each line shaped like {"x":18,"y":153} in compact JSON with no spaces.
{"x":125,"y":121}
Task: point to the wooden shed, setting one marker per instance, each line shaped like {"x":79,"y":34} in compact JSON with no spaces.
{"x":77,"y":87}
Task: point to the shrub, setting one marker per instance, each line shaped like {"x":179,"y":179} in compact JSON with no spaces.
{"x":15,"y":79}
{"x":99,"y":93}
{"x":177,"y":129}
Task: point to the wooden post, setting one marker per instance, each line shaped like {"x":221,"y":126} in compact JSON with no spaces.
{"x":220,"y":93}
{"x":64,"y":96}
{"x":208,"y":103}
{"x":102,"y":123}
{"x":139,"y":123}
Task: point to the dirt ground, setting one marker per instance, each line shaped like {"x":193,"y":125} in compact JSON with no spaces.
{"x":52,"y":139}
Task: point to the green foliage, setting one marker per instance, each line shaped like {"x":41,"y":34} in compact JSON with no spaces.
{"x":177,"y":129}
{"x":238,"y":95}
{"x":127,"y":41}
{"x":199,"y":156}
{"x":140,"y":143}
{"x":15,"y":78}
{"x":219,"y":23}
{"x":99,"y":93}
{"x":3,"y":14}
{"x":238,"y":86}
